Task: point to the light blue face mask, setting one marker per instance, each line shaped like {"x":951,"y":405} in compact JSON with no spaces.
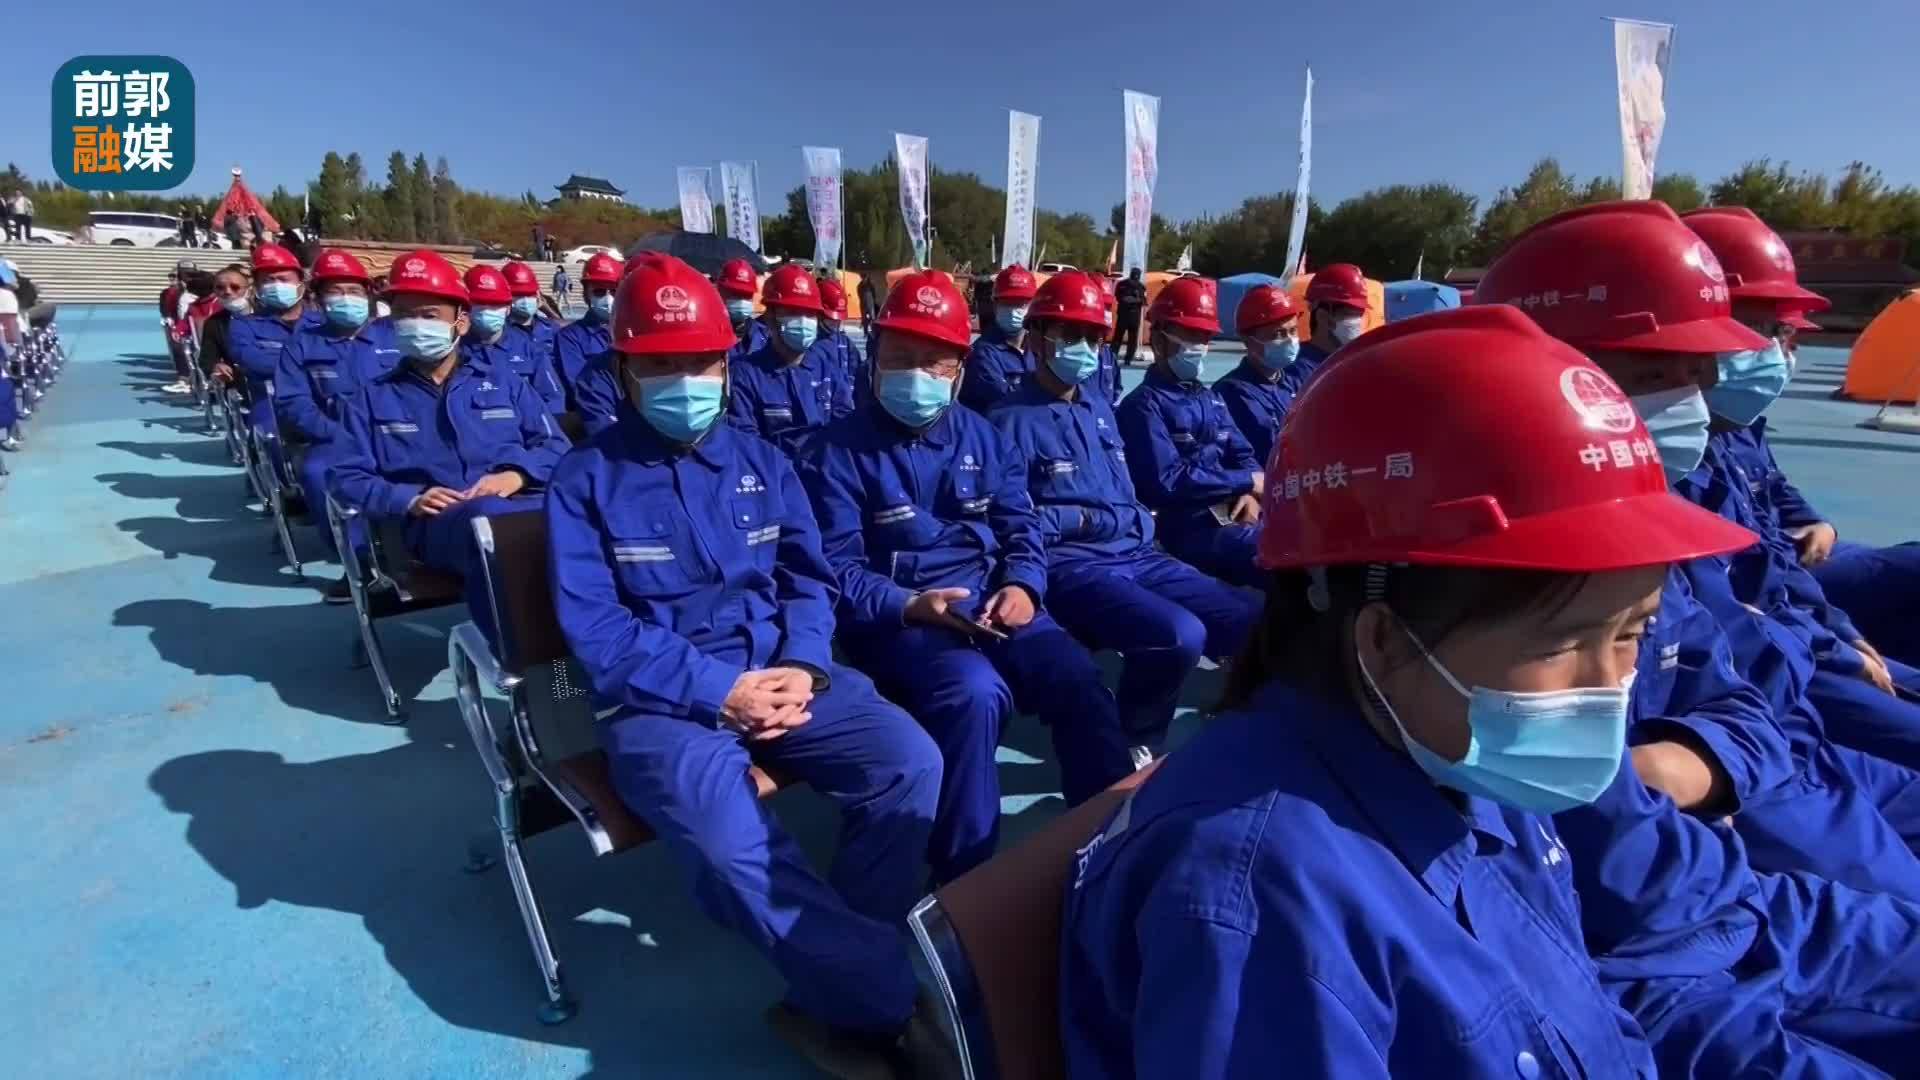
{"x":1541,"y":752}
{"x":423,"y":339}
{"x":914,"y":397}
{"x":1010,"y":318}
{"x":1749,"y":382}
{"x":600,"y":307}
{"x":278,"y":295}
{"x":739,"y":311}
{"x":1074,"y":363}
{"x":799,"y":331}
{"x":1678,"y":420}
{"x":489,"y":320}
{"x":346,"y":312}
{"x":525,"y":308}
{"x":681,"y":407}
{"x":1277,"y":354}
{"x":1185,"y":362}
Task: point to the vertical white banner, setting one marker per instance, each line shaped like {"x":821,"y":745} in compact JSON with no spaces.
{"x":1023,"y":159}
{"x":910,"y":153}
{"x":743,"y":201}
{"x":823,"y":203}
{"x":1143,"y":172}
{"x":696,"y":200}
{"x":1297,"y":230}
{"x":1641,"y":51}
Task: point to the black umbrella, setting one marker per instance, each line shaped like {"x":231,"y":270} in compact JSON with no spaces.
{"x":705,"y":252}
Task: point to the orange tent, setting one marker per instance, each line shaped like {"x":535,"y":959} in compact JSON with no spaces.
{"x":1885,"y":365}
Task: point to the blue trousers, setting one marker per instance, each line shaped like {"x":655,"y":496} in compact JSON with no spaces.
{"x":9,"y":411}
{"x":1863,"y":716}
{"x":1222,"y":551}
{"x":445,"y":542}
{"x":1831,"y":988}
{"x":1161,"y":616}
{"x":1879,"y":589}
{"x":313,"y":463}
{"x":1849,"y":817}
{"x":963,"y":690}
{"x":840,"y":944}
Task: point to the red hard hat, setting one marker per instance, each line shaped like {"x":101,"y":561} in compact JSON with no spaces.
{"x":1263,"y":306}
{"x":1340,"y":283}
{"x":336,"y":265}
{"x":268,"y":258}
{"x":833,"y":299}
{"x":426,"y":273}
{"x":1186,"y":302}
{"x":1016,"y":282}
{"x":488,"y":286}
{"x":1070,"y":296}
{"x":1758,"y":264}
{"x":737,"y":279}
{"x":666,"y":306}
{"x":1472,"y":438}
{"x":601,"y":269}
{"x":520,"y":279}
{"x":791,"y":287}
{"x":639,"y":258}
{"x":1619,"y":275}
{"x":927,"y":304}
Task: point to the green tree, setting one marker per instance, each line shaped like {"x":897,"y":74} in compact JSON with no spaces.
{"x":1602,"y":189}
{"x":399,"y":218}
{"x":1391,"y":231}
{"x":1680,"y":191}
{"x":1780,"y":199}
{"x":446,"y":219}
{"x":420,"y":191}
{"x":332,"y":194}
{"x":284,"y":205}
{"x":1546,"y":191}
{"x":1253,"y":237}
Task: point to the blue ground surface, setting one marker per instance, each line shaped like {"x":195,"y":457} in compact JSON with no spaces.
{"x":220,"y":863}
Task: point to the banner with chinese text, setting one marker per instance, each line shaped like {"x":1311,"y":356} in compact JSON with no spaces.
{"x":1023,"y":160}
{"x":823,"y":203}
{"x":1143,"y":172}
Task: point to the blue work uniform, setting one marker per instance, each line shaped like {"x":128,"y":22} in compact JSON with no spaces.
{"x":1189,"y":463}
{"x":947,"y":508}
{"x":1106,"y":582}
{"x":255,"y":343}
{"x":521,"y":352}
{"x":994,"y":368}
{"x":1258,"y":402}
{"x":750,"y":337}
{"x":675,"y":571}
{"x":1289,"y":896}
{"x":1107,"y":379}
{"x":319,"y":366}
{"x":853,"y":363}
{"x":1305,"y":362}
{"x":597,"y":396}
{"x":575,"y":345}
{"x":785,"y":402}
{"x":1800,"y":804}
{"x":1878,"y":587}
{"x":400,"y":434}
{"x":1768,"y":576}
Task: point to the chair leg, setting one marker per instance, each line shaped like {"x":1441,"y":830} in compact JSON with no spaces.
{"x":286,"y":534}
{"x":367,"y":652}
{"x":560,"y":1006}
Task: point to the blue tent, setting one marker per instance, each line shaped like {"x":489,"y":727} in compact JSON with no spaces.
{"x":1405,"y":299}
{"x":1232,"y":291}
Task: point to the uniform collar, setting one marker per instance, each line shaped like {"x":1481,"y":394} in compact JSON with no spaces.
{"x":1158,"y":376}
{"x":713,"y":450}
{"x":1433,"y":835}
{"x":939,"y":433}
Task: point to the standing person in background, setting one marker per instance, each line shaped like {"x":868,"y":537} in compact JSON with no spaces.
{"x":381,"y":309}
{"x":1130,"y":298}
{"x":868,"y":302}
{"x":6,"y":216}
{"x":22,"y":216}
{"x":982,"y":301}
{"x":234,"y":236}
{"x":187,"y":236}
{"x":563,"y":290}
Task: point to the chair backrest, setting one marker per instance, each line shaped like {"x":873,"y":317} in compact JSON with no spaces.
{"x":513,"y":551}
{"x":992,"y":939}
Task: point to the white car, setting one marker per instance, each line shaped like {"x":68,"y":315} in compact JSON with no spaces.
{"x":44,"y":235}
{"x":575,"y":255}
{"x":130,"y":228}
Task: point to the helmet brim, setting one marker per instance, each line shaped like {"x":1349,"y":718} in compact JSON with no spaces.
{"x":1698,"y":337}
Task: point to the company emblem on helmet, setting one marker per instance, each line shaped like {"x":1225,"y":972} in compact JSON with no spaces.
{"x":416,"y":266}
{"x":1780,"y":254}
{"x":1701,"y":258}
{"x":1206,"y":301}
{"x":1596,"y":400}
{"x":802,"y":287}
{"x":672,"y":298}
{"x":928,"y":296}
{"x":1089,"y":296}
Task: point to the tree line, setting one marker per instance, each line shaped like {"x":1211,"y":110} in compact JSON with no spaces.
{"x":1388,"y":231}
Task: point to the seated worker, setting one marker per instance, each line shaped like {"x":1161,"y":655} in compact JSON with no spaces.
{"x":577,"y":343}
{"x":741,"y":287}
{"x":442,"y":437}
{"x":794,"y":384}
{"x":833,"y":312}
{"x":526,"y":321}
{"x":233,"y":298}
{"x":1336,"y":313}
{"x":503,"y":347}
{"x":657,"y":524}
{"x":1002,"y":357}
{"x":1106,"y":582}
{"x":1634,"y":291}
{"x":1255,"y":392}
{"x":1189,"y":462}
{"x":254,"y":342}
{"x":1878,"y":588}
{"x":941,"y":564}
{"x":318,"y":368}
{"x":1354,"y":871}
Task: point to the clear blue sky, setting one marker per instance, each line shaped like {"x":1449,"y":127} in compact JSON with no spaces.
{"x":518,"y":95}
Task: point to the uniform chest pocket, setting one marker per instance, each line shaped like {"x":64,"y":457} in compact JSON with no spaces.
{"x":323,"y":373}
{"x":397,"y":437}
{"x":492,"y":406}
{"x":649,"y":553}
{"x":755,"y":525}
{"x":1056,"y":476}
{"x":966,"y":497}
